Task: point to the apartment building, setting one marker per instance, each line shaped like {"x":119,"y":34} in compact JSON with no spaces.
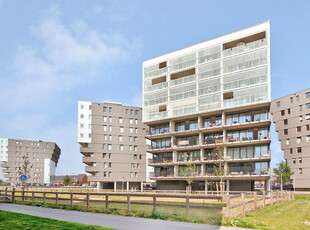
{"x":291,"y":115}
{"x":43,"y":157}
{"x":113,"y":144}
{"x":211,"y":92}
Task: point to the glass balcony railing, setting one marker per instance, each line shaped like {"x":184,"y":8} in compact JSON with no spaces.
{"x":156,"y":72}
{"x":155,"y":116}
{"x":212,"y":140}
{"x":245,"y":47}
{"x":187,"y":142}
{"x":159,"y":86}
{"x":183,"y":80}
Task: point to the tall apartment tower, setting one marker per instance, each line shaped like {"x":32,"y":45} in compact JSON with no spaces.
{"x":291,"y":115}
{"x":217,"y":90}
{"x":113,"y":144}
{"x":43,"y":157}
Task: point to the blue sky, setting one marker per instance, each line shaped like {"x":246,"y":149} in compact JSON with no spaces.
{"x":54,"y":53}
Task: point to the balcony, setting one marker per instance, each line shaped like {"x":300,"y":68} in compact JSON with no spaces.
{"x":187,"y":142}
{"x":155,"y":116}
{"x":158,"y":161}
{"x":91,"y":169}
{"x":245,"y":48}
{"x":209,"y":140}
{"x":156,"y":87}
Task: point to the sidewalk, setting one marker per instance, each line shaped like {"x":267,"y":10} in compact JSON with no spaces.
{"x":104,"y":220}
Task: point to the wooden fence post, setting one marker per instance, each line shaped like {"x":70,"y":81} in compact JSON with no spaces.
{"x":13,"y":194}
{"x":264,"y":199}
{"x":271,"y":197}
{"x":255,"y":201}
{"x":6,"y":191}
{"x":32,"y":196}
{"x":228,"y":206}
{"x":23,"y":194}
{"x":106,"y":200}
{"x":128,"y":202}
{"x":187,"y":206}
{"x":56,"y":198}
{"x":44,"y":197}
{"x":87,"y":199}
{"x":293,"y":195}
{"x":71,"y":199}
{"x":243,"y":204}
{"x":289,"y":195}
{"x":154,"y":202}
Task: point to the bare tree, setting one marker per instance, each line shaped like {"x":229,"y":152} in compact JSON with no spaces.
{"x":25,"y":169}
{"x":189,"y":173}
{"x":219,"y":168}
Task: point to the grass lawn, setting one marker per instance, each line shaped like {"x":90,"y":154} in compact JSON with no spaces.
{"x":287,"y":215}
{"x":11,"y":220}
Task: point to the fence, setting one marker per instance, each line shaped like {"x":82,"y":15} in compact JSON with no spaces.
{"x":230,"y":205}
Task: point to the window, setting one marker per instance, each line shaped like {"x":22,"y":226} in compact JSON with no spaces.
{"x":298,"y":140}
{"x":121,"y":129}
{"x":89,"y":135}
{"x":285,"y":131}
{"x":308,"y":95}
{"x":135,"y":148}
{"x":282,"y":112}
{"x":307,"y":127}
{"x":110,"y":137}
{"x":121,"y":147}
{"x":105,"y":128}
{"x":300,"y":108}
{"x":136,"y":174}
{"x":285,"y":122}
{"x":300,"y":160}
{"x":294,"y":161}
{"x":308,"y":116}
{"x":291,"y":99}
{"x":299,"y":150}
{"x":300,"y":170}
{"x":297,"y":98}
{"x":110,"y":128}
{"x":133,"y":165}
{"x":109,"y":146}
{"x":110,"y":164}
{"x":81,"y":135}
{"x":103,"y":146}
{"x":82,"y":106}
{"x":131,"y":112}
{"x":135,"y":139}
{"x":105,"y":119}
{"x":105,"y":165}
{"x":278,"y":103}
{"x":130,"y":138}
{"x":110,"y":109}
{"x":140,"y":156}
{"x":81,"y":125}
{"x":136,"y":130}
{"x":120,"y":120}
{"x":104,"y":155}
{"x":307,"y":138}
{"x":120,"y":138}
{"x":298,"y":129}
{"x":130,"y":147}
{"x":82,"y":116}
{"x":105,"y":137}
{"x":89,"y":107}
{"x":288,"y":111}
{"x":127,"y":111}
{"x":287,"y":141}
{"x":110,"y":155}
{"x":300,"y":118}
{"x":130,"y":121}
{"x":135,"y":156}
{"x":130,"y":129}
{"x":291,"y":151}
{"x":110,"y":119}
{"x":104,"y":174}
{"x":308,"y":106}
{"x":104,"y":109}
{"x":137,"y":112}
{"x":131,"y":175}
{"x":138,"y":166}
{"x":136,"y":121}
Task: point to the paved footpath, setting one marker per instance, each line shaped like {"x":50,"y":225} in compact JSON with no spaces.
{"x":104,"y":220}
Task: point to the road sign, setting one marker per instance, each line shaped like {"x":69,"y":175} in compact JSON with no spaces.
{"x":23,"y":177}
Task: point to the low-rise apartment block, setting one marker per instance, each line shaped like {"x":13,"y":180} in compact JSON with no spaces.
{"x":291,"y":115}
{"x":113,"y":144}
{"x":214,"y":91}
{"x":42,"y":156}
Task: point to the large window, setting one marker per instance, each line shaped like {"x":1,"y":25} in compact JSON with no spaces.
{"x":212,"y":122}
{"x":189,"y":156}
{"x":257,"y":168}
{"x":162,"y":158}
{"x":213,"y":138}
{"x":186,"y":141}
{"x":164,"y":128}
{"x":182,"y":168}
{"x":186,"y":125}
{"x":161,"y":143}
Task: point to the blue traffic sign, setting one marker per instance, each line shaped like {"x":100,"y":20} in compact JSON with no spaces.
{"x":23,"y":177}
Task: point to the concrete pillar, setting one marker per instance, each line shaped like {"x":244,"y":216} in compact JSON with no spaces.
{"x":200,"y":122}
{"x":98,"y":186}
{"x":206,"y":187}
{"x":202,"y":154}
{"x":223,"y":118}
{"x":200,"y":139}
{"x":176,"y":170}
{"x":203,"y":169}
{"x":114,"y":186}
{"x":267,"y":185}
{"x":141,"y":187}
{"x":172,"y":126}
{"x":127,"y":186}
{"x":175,"y":156}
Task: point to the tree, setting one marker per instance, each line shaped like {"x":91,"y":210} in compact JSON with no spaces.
{"x":284,"y":169}
{"x":67,"y":180}
{"x":189,"y":173}
{"x":25,"y":169}
{"x":219,"y":168}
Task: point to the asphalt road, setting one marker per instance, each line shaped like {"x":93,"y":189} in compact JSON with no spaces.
{"x":104,"y":220}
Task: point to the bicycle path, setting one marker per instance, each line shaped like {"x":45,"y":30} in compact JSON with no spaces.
{"x":105,"y":220}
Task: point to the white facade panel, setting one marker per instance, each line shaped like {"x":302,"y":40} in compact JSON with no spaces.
{"x":3,"y":154}
{"x":84,"y":121}
{"x":49,"y":170}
